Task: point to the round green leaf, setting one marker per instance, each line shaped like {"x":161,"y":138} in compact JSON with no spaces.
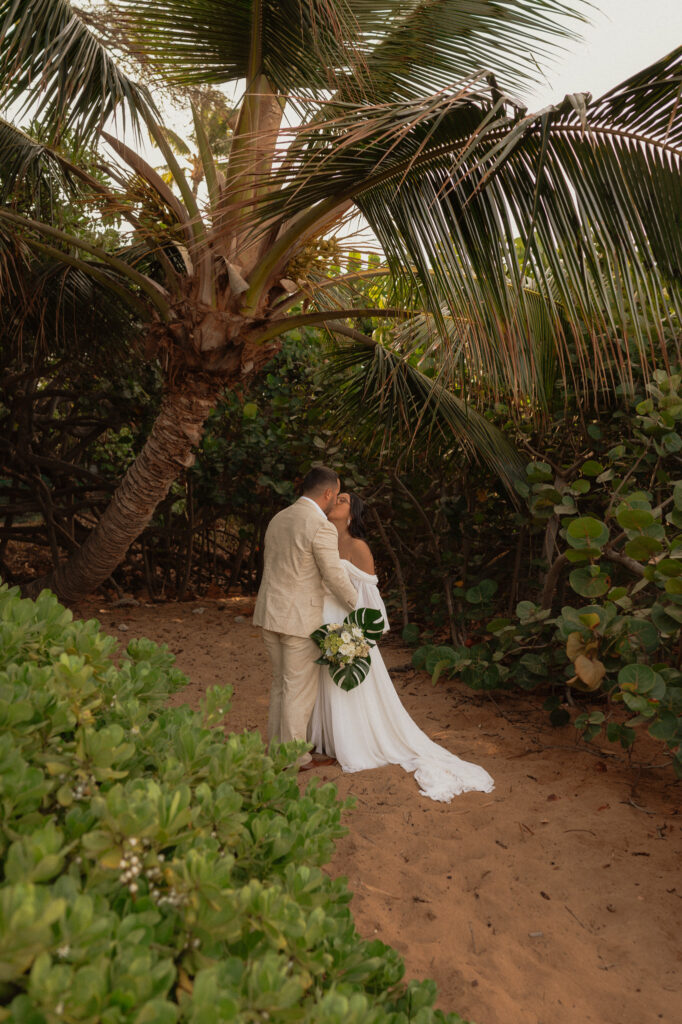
{"x":666,"y":727}
{"x":642,"y":548}
{"x":592,"y":468}
{"x":643,"y":633}
{"x":642,"y":679}
{"x":582,"y":554}
{"x":634,"y":518}
{"x":670,"y":566}
{"x":640,"y":705}
{"x":525,"y":609}
{"x":581,"y":486}
{"x":664,"y":623}
{"x":672,"y":442}
{"x":250,"y":411}
{"x":587,"y":585}
{"x":538,"y":472}
{"x":587,"y":532}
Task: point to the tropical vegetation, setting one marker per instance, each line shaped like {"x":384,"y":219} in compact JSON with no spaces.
{"x":153,"y":869}
{"x":521,"y":252}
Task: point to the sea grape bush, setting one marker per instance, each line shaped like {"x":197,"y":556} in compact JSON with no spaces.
{"x":153,"y":870}
{"x":621,"y":552}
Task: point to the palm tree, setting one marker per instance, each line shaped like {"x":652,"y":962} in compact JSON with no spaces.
{"x":350,"y":106}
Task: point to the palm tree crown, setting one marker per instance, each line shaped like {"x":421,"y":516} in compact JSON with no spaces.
{"x":519,"y":246}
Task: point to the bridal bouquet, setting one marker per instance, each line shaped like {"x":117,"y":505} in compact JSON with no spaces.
{"x":346,"y":645}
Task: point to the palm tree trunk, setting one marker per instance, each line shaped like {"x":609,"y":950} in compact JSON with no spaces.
{"x":168,"y":450}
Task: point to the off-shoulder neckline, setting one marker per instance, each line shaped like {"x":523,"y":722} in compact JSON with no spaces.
{"x":360,"y":572}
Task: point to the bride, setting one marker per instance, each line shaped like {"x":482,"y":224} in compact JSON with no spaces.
{"x":368,"y":727}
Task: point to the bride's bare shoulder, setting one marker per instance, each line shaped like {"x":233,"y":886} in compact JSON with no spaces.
{"x":361,"y":556}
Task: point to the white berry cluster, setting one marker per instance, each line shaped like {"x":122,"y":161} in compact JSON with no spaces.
{"x":86,"y":786}
{"x":132,"y":867}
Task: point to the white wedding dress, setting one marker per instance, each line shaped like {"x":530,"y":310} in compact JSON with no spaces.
{"x":368,"y":727}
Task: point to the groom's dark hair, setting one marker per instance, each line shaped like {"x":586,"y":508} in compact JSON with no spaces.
{"x":318,"y":479}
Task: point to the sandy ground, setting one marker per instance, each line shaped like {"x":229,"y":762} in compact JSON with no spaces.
{"x":553,"y":900}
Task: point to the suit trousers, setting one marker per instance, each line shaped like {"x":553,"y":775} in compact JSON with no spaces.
{"x":295,"y":679}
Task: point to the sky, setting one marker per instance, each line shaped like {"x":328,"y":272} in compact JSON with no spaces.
{"x":624,"y":37}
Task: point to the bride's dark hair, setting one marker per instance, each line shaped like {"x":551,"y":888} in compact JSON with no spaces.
{"x":356,"y":527}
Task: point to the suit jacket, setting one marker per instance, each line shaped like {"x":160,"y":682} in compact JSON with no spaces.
{"x":301,"y":556}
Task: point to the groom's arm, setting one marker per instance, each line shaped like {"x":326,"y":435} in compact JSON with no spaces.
{"x":326,"y":555}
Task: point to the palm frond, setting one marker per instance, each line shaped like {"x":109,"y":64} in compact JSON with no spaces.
{"x":294,"y":43}
{"x":388,"y":404}
{"x":420,"y":47}
{"x":66,"y":309}
{"x":34,"y":166}
{"x":53,"y":65}
{"x":395,"y":49}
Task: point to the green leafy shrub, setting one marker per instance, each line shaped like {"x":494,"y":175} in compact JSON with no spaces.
{"x":154,"y":870}
{"x":622,"y":552}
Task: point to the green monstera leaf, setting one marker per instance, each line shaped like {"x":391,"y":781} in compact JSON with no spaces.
{"x":350,"y":675}
{"x":370,"y":621}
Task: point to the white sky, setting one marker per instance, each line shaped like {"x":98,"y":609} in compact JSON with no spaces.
{"x":624,"y":37}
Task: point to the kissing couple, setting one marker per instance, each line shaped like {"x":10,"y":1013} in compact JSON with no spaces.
{"x":318,"y":567}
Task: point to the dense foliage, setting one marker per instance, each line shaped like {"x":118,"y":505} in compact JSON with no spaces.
{"x":154,"y":869}
{"x":611,"y":523}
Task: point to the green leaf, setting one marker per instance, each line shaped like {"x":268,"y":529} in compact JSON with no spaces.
{"x":671,"y":443}
{"x":677,"y":495}
{"x":638,"y":704}
{"x":643,"y":548}
{"x":347,"y":677}
{"x":482,"y":592}
{"x":592,"y":468}
{"x":370,"y":621}
{"x":577,"y":555}
{"x":588,"y":585}
{"x":643,"y":633}
{"x":538,"y":472}
{"x":634,"y":518}
{"x":670,"y":566}
{"x":587,"y":532}
{"x":641,"y":679}
{"x":667,"y":624}
{"x":667,"y":727}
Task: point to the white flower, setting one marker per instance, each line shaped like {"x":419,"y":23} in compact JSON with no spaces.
{"x":357,"y":632}
{"x":346,"y":649}
{"x":333,"y":625}
{"x":345,"y":636}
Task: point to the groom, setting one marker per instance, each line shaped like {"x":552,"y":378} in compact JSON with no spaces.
{"x":301,"y":557}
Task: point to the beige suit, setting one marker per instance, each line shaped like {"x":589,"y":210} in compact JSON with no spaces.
{"x":301,"y":557}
